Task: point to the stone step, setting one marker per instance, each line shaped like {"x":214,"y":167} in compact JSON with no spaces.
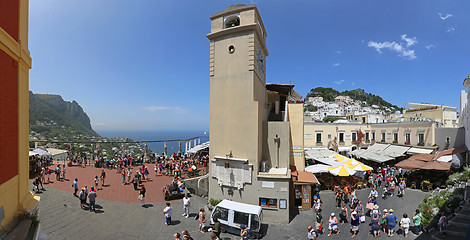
{"x":458,"y":231}
{"x":459,"y":222}
{"x":461,"y":219}
{"x":463,"y":215}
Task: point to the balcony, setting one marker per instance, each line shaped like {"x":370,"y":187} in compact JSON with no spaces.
{"x":421,"y":144}
{"x":407,"y":142}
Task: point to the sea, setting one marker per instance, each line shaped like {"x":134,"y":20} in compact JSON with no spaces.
{"x":158,"y":147}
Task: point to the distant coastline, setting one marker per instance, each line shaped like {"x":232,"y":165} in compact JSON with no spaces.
{"x":158,"y":135}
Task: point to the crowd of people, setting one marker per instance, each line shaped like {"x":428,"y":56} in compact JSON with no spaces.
{"x":353,"y":211}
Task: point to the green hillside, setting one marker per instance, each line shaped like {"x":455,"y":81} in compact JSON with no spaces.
{"x":329,"y":95}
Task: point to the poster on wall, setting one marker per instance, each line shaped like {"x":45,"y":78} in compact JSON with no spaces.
{"x":282,"y":203}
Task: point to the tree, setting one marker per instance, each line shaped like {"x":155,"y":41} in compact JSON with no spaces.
{"x":310,"y":108}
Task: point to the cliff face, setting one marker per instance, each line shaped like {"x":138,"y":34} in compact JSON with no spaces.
{"x":51,"y":112}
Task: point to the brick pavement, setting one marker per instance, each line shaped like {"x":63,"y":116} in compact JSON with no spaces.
{"x":113,"y":189}
{"x":61,"y":218}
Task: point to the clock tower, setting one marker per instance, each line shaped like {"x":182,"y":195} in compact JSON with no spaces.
{"x":238,"y":97}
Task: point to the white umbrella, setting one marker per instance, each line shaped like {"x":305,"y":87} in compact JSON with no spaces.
{"x":341,"y":171}
{"x":317,"y":168}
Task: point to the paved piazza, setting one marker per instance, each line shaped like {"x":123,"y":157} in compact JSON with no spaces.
{"x":124,"y":218}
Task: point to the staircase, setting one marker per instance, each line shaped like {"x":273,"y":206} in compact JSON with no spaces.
{"x":459,"y":225}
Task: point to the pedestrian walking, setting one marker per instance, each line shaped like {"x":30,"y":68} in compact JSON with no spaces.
{"x":186,"y":235}
{"x":57,"y":173}
{"x":82,"y":196}
{"x":383,"y":224}
{"x":405,"y":224}
{"x":311,"y":235}
{"x":343,"y":214}
{"x":177,"y":236}
{"x":142,"y":196}
{"x":318,"y":222}
{"x":186,"y":205}
{"x":48,"y":174}
{"x":217,"y":229}
{"x":63,"y":171}
{"x":201,"y":220}
{"x":96,"y":182}
{"x":417,"y":222}
{"x":75,"y":186}
{"x":102,"y":177}
{"x":123,"y":176}
{"x":354,"y":223}
{"x":442,"y":225}
{"x":92,"y":197}
{"x":375,"y":225}
{"x":243,"y":232}
{"x":391,"y":222}
{"x":129,"y":175}
{"x":167,"y":213}
{"x":333,"y":225}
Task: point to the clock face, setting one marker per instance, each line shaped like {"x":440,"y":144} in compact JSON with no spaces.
{"x":260,"y":59}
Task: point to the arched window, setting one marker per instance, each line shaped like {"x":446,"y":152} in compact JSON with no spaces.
{"x":232,"y":21}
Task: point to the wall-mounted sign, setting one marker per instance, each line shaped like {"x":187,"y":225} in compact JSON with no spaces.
{"x":297,"y":154}
{"x":265,"y":184}
{"x":282,"y":203}
{"x":296,"y":147}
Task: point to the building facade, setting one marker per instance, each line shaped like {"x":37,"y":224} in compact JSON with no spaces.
{"x":15,"y":62}
{"x":446,"y":116}
{"x":348,"y":134}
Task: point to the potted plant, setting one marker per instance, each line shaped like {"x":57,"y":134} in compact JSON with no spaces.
{"x":420,"y":143}
{"x":407,"y":142}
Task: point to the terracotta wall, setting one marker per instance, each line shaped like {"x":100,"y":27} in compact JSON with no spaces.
{"x":8,"y":117}
{"x":9,"y":17}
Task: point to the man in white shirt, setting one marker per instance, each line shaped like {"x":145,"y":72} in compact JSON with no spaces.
{"x":186,"y":205}
{"x":167,"y":212}
{"x":311,"y":235}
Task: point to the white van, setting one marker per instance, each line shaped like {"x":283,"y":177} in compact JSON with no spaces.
{"x":234,"y":214}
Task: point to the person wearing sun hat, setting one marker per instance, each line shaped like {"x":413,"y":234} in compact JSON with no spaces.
{"x":333,"y":224}
{"x":383,"y":224}
{"x":391,"y":222}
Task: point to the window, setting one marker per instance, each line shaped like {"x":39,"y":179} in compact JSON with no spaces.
{"x":308,"y":136}
{"x":254,"y":222}
{"x":240,"y":218}
{"x":383,"y":137}
{"x":268,"y":202}
{"x":373,"y":135}
{"x":407,"y":138}
{"x":395,"y":137}
{"x":221,"y":213}
{"x":329,"y":136}
{"x":232,"y":21}
{"x":354,"y":136}
{"x":318,"y":137}
{"x":341,"y":137}
{"x":367,"y":136}
{"x":447,"y":140}
{"x":421,"y":138}
{"x":363,"y":119}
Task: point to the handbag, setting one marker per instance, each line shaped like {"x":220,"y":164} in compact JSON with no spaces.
{"x":363,"y":218}
{"x":140,"y":197}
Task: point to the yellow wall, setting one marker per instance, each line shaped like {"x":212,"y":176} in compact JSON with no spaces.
{"x":414,"y":128}
{"x":15,"y":196}
{"x":296,"y":120}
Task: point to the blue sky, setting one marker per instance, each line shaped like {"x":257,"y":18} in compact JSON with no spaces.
{"x":144,"y":65}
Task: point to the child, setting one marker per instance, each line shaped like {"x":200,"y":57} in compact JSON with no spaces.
{"x":96,"y":183}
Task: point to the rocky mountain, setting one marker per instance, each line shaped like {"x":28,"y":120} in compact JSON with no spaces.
{"x":62,"y":124}
{"x":49,"y":112}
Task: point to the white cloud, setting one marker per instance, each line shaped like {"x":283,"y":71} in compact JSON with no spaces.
{"x":409,"y":41}
{"x":445,"y":17}
{"x":164,"y":108}
{"x":339,"y":82}
{"x":451,"y":29}
{"x":428,"y":47}
{"x":403,"y":50}
{"x":336,"y":64}
{"x":353,"y":83}
{"x":338,"y":52}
